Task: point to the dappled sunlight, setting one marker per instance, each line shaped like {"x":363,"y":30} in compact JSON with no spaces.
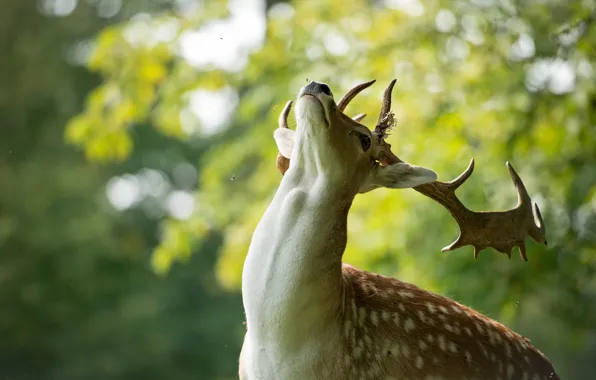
{"x":212,"y":108}
{"x":226,"y":43}
{"x":412,"y":8}
{"x":58,"y":8}
{"x":445,"y":21}
{"x":123,"y":191}
{"x":154,"y":192}
{"x":180,"y":204}
{"x":141,"y":30}
{"x":523,"y":48}
{"x":555,"y":75}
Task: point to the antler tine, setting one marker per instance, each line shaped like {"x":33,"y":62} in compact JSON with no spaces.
{"x":359,"y":117}
{"x":347,"y":98}
{"x":522,"y":194}
{"x":539,"y":235}
{"x":384,"y":155}
{"x":501,"y":230}
{"x":282,"y":121}
{"x":463,"y":177}
{"x":524,"y":201}
{"x":283,"y":163}
{"x":385,"y":112}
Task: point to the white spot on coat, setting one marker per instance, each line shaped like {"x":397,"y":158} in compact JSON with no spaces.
{"x":431,"y":307}
{"x":419,"y":362}
{"x":374,"y":317}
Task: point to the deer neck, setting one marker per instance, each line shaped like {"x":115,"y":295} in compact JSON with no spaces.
{"x":292,"y":280}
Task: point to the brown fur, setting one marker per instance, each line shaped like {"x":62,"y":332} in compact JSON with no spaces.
{"x":392,"y":329}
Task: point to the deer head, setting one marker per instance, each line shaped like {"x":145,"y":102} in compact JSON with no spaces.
{"x":329,"y":143}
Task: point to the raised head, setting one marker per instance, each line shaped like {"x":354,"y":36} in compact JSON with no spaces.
{"x":329,"y":144}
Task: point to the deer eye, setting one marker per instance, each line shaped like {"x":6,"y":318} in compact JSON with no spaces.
{"x":365,"y":142}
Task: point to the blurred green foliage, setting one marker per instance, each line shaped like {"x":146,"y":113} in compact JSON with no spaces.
{"x":84,"y":287}
{"x":78,"y":296}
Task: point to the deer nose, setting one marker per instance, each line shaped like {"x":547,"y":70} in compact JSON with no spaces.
{"x":314,"y":88}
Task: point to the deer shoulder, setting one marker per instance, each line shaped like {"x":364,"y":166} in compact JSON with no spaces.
{"x":391,"y":326}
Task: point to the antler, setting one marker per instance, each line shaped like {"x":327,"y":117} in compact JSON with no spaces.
{"x":501,"y":230}
{"x":283,"y":163}
{"x":347,"y":98}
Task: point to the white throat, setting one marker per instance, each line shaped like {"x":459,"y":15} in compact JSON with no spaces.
{"x":291,"y":283}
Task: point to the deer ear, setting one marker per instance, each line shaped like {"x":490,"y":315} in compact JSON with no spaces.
{"x":284,"y":138}
{"x":398,"y":176}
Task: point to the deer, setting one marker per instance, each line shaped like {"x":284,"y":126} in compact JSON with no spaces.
{"x":311,"y":316}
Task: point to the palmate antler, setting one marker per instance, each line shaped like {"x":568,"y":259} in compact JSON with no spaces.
{"x":501,"y":230}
